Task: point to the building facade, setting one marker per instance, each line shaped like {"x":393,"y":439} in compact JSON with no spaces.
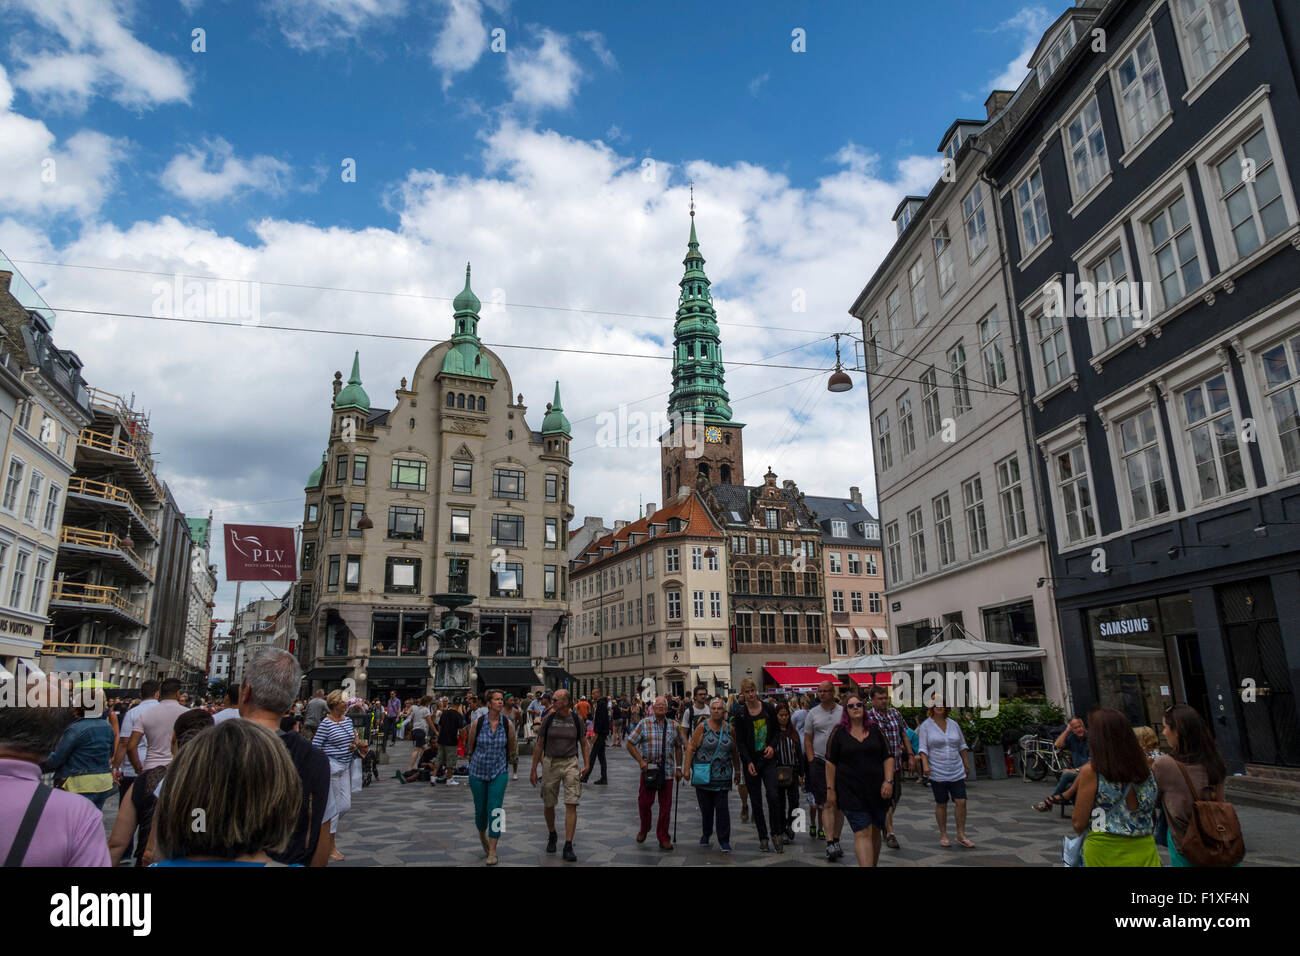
{"x":963,"y":544}
{"x":854,"y":575}
{"x":1154,"y":241}
{"x":449,"y":490}
{"x":203,"y":589}
{"x":648,"y":601}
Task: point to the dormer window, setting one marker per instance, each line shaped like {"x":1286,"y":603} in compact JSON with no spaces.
{"x":839,"y":529}
{"x":1055,"y":53}
{"x":906,"y":212}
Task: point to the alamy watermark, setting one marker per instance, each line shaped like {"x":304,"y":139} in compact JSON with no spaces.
{"x":190,"y":298}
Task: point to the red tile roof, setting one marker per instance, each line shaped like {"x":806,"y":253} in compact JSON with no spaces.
{"x":696,"y":524}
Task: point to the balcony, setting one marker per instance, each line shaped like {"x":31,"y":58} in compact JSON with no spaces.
{"x":85,"y":544}
{"x":99,"y":599}
{"x":62,"y":649}
{"x":104,"y":450}
{"x":94,"y":492}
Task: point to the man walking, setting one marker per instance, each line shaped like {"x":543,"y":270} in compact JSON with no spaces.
{"x":450,"y":722}
{"x":662,"y":739}
{"x":391,"y":711}
{"x":894,"y":727}
{"x":558,"y":741}
{"x":148,"y":699}
{"x":154,"y":728}
{"x":697,"y":711}
{"x":314,"y":713}
{"x":819,"y":723}
{"x":601,"y":726}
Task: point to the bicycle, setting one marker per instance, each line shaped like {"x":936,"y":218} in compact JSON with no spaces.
{"x":1039,"y":755}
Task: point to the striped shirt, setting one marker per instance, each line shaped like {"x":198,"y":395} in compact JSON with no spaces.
{"x":893,"y":725}
{"x":489,"y":759}
{"x":335,"y":739}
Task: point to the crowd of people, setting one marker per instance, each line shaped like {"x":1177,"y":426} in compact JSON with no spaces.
{"x":263,"y":777}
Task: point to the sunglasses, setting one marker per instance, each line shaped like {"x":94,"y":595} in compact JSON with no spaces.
{"x":855,"y":706}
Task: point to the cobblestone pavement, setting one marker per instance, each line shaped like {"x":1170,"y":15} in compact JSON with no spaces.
{"x":395,"y":824}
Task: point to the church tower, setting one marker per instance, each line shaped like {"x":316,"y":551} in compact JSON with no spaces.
{"x":702,"y":439}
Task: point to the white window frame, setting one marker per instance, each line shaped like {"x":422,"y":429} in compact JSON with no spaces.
{"x":931,"y":409}
{"x":53,"y":507}
{"x":957,"y":359}
{"x":994,"y":374}
{"x":894,"y":551}
{"x":19,"y":500}
{"x":943,"y":530}
{"x":915,"y":533}
{"x":35,"y":483}
{"x":1038,"y":304}
{"x":1008,"y":519}
{"x":976,"y":515}
{"x":1112,"y":412}
{"x":1135,"y":142}
{"x":1099,"y":166}
{"x":1197,"y":86}
{"x":1159,"y":200}
{"x":884,"y":444}
{"x":943,"y":260}
{"x":906,"y":427}
{"x":916,"y":292}
{"x":16,"y":600}
{"x":1278,"y":325}
{"x":1027,"y":252}
{"x":1207,"y":365}
{"x":893,"y":307}
{"x":977,"y":217}
{"x":1087,"y":257}
{"x":1056,"y":442}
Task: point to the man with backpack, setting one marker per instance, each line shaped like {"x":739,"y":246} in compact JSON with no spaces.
{"x":559,"y":738}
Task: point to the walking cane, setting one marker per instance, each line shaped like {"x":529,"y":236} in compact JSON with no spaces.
{"x":677,"y":791}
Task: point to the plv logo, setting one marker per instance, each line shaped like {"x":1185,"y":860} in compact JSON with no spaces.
{"x":259,"y":553}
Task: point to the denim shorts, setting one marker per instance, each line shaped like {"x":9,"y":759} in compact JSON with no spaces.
{"x":953,"y":788}
{"x":861,"y":819}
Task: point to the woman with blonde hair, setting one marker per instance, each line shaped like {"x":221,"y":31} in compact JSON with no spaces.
{"x":945,"y":759}
{"x":339,"y":741}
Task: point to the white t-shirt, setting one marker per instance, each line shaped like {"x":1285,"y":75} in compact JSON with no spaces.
{"x":230,"y":713}
{"x":820,"y":722}
{"x":418,"y":720}
{"x":943,"y":748}
{"x":128,"y":728}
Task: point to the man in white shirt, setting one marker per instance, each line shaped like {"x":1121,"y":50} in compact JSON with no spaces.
{"x":149,"y":699}
{"x":154,"y":728}
{"x":819,"y":723}
{"x":231,"y":710}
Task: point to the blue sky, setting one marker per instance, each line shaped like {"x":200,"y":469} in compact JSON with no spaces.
{"x":531,"y":162}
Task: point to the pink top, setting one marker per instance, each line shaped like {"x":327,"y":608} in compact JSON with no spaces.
{"x":70,"y":831}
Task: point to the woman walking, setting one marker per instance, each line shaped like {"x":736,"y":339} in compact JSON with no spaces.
{"x":756,"y":731}
{"x":1193,"y":756}
{"x":340,"y":742}
{"x":945,"y":759}
{"x":860,"y":778}
{"x":791,"y":769}
{"x":81,"y":761}
{"x":490,"y":747}
{"x":718,"y":765}
{"x":1117,"y":782}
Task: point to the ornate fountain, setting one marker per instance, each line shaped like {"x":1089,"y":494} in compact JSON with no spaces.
{"x":452,"y":661}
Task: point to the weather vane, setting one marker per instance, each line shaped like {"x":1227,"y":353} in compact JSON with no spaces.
{"x":692,"y":185}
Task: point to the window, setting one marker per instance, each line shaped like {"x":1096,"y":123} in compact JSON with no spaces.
{"x":697,"y":603}
{"x":1142,"y":99}
{"x":1011,"y":499}
{"x":916,"y":281}
{"x":834,"y":558}
{"x":977,"y":532}
{"x":907,"y":433}
{"x":1085,"y":145}
{"x":770,"y":518}
{"x":767,"y":628}
{"x":409,"y":475}
{"x":359,"y":465}
{"x":872,"y":348}
{"x":995,"y":363}
{"x":1173,"y":250}
{"x":1053,"y":349}
{"x":1075,"y":493}
{"x":744,"y":627}
{"x":1212,"y":437}
{"x":1112,"y":307}
{"x":1209,"y":30}
{"x":313,"y":513}
{"x":460,"y":525}
{"x":1253,"y":205}
{"x":882,"y":439}
{"x":790,"y":627}
{"x":553,"y":534}
{"x":341,"y":469}
{"x":870,"y":563}
{"x":1031,"y":206}
{"x":762,"y":545}
{"x":977,"y":227}
{"x":712,"y":559}
{"x":673,"y":601}
{"x":332,"y":580}
{"x":837,"y":602}
{"x":943,"y":256}
{"x":38,"y":585}
{"x":508,"y":530}
{"x":892,"y":305}
{"x":697,"y":559}
{"x":507,"y":579}
{"x":764,"y":582}
{"x":650,"y":611}
{"x":740,"y":580}
{"x":874,"y":604}
{"x":462,"y":478}
{"x":1142,"y":467}
{"x":357,"y":512}
{"x":854,"y":562}
{"x":960,"y":387}
{"x":13,"y":484}
{"x":855,"y":602}
{"x":304,"y":598}
{"x":1282,"y":395}
{"x":839,"y":528}
{"x":33,"y":497}
{"x":336,"y":524}
{"x":650,"y":564}
{"x":402,"y":575}
{"x":943,"y":530}
{"x":552,"y":487}
{"x":814,"y":628}
{"x":550,"y":576}
{"x":894,"y":552}
{"x":1055,"y":54}
{"x":19,"y":582}
{"x":352,"y":575}
{"x":672,"y":561}
{"x":507,"y":483}
{"x":715,"y":604}
{"x":25,"y":415}
{"x":408,"y":523}
{"x":63,"y":442}
{"x":916,"y":535}
{"x":308,"y":555}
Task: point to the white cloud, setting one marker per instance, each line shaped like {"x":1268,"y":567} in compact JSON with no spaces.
{"x":212,"y":171}
{"x":87,"y":50}
{"x":757,"y":82}
{"x":597,"y":42}
{"x":462,"y":39}
{"x":1031,"y":23}
{"x":39,"y":177}
{"x":316,"y":24}
{"x":546,"y":76}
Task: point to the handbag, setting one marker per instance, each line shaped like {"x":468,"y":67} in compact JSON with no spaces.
{"x":1213,"y":835}
{"x":702,"y":772}
{"x":1072,"y":850}
{"x":784,"y":776}
{"x":654,"y":777}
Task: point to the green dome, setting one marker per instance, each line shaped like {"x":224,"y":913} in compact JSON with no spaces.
{"x":466,"y":359}
{"x":466,"y":355}
{"x":352,"y":395}
{"x":313,"y":480}
{"x":467,"y":301}
{"x":555,"y":423}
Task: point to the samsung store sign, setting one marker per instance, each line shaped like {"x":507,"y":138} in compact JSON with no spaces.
{"x":1133,"y":625}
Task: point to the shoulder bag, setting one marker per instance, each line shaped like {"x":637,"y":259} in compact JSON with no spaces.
{"x":654,"y":777}
{"x":1213,"y":836}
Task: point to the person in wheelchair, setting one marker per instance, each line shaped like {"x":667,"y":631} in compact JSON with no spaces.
{"x":424,"y":770}
{"x":1073,"y":738}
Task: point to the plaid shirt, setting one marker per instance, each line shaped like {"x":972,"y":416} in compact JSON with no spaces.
{"x":649,"y":739}
{"x":893,"y":726}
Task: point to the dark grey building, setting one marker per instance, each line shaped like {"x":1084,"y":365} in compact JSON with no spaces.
{"x":1152,"y":233}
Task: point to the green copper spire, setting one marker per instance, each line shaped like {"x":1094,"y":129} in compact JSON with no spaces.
{"x":555,"y":423}
{"x":352,"y":395}
{"x":698,"y":391}
{"x":466,"y":355}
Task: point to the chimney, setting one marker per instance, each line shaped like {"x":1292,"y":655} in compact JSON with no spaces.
{"x":683,"y":492}
{"x":649,"y":508}
{"x":997,"y":99}
{"x":855,"y":495}
{"x":619,"y":526}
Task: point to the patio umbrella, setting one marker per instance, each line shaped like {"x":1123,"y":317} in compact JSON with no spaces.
{"x":95,"y":683}
{"x":864,"y":664}
{"x":960,"y":650}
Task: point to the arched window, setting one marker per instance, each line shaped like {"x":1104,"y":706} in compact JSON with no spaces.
{"x":725,"y":474}
{"x":460,"y":400}
{"x":482,"y":404}
{"x":451,"y":399}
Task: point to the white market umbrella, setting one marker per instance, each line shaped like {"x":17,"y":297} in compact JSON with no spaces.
{"x":865,"y":664}
{"x":960,"y":650}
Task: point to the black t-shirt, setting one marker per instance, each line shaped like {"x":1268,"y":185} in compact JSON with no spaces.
{"x":859,"y":768}
{"x":600,"y":723}
{"x":430,"y":755}
{"x":314,"y":770}
{"x":449,"y":725}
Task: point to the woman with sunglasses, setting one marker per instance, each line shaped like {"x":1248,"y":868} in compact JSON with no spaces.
{"x":860,"y":778}
{"x":945,"y":759}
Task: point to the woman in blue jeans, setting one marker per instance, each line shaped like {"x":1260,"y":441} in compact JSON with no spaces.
{"x":491,"y":746}
{"x":80,"y":763}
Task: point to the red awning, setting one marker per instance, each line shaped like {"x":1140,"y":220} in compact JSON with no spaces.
{"x":807,"y":678}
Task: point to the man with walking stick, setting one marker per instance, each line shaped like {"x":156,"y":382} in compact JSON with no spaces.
{"x":662,"y":740}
